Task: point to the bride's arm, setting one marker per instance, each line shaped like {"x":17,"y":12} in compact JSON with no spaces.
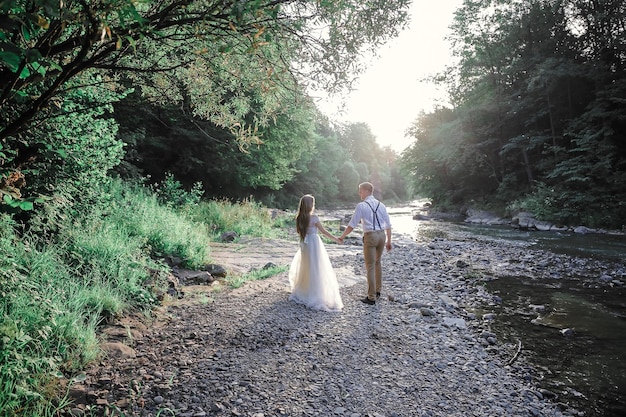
{"x":323,"y":231}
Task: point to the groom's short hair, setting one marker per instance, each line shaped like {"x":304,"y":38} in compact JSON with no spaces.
{"x":367,"y":186}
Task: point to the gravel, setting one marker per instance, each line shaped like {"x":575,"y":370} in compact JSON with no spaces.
{"x":423,"y":350}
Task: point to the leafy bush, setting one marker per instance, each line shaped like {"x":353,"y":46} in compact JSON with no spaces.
{"x":245,"y":218}
{"x":172,"y":193}
{"x":571,"y":208}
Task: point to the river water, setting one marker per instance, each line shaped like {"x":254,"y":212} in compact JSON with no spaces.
{"x":586,"y":370}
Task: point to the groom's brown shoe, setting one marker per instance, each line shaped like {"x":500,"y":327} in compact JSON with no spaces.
{"x":377,"y":295}
{"x":368,"y":301}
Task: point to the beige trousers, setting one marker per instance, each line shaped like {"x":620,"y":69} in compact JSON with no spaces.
{"x":373,"y":247}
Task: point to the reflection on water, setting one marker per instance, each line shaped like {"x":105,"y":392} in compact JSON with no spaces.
{"x":586,"y":369}
{"x":595,"y":245}
{"x":576,"y":312}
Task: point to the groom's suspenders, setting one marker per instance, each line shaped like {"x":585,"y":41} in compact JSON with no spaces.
{"x":374,"y":215}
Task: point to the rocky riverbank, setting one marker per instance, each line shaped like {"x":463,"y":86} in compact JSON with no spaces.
{"x":423,"y":350}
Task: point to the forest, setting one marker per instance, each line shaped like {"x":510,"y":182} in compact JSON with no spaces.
{"x":217,"y":95}
{"x":538,"y":115}
{"x":125,"y":123}
{"x":209,"y":92}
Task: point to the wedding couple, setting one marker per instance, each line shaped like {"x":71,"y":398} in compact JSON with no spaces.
{"x":311,"y":276}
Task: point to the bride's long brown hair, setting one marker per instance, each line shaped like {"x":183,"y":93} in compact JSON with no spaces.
{"x":307,"y":202}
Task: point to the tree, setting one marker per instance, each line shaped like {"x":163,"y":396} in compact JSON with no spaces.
{"x":235,"y":63}
{"x":538,"y":96}
{"x":349,"y":179}
{"x":46,"y":43}
{"x":435,"y":161}
{"x":317,"y":173}
{"x":167,"y":140}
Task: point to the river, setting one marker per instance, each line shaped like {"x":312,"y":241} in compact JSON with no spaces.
{"x":576,"y":344}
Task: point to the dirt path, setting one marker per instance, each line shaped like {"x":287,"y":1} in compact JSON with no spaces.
{"x":254,"y":253}
{"x":419,"y":352}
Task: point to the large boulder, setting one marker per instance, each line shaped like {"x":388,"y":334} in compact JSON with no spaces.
{"x":484,"y":217}
{"x":526,"y":221}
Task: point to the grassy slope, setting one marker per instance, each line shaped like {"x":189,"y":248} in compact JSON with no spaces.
{"x":56,"y":288}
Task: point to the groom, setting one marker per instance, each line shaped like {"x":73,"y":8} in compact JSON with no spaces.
{"x":376,"y":236}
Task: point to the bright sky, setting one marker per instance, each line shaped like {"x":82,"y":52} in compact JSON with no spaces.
{"x":389,"y":95}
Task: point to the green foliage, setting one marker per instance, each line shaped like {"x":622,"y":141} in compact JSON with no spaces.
{"x":236,"y":47}
{"x":255,"y":275}
{"x":170,"y":192}
{"x":235,"y":70}
{"x":68,"y":155}
{"x":336,"y":164}
{"x":293,"y":159}
{"x":11,"y":204}
{"x":160,"y":230}
{"x":437,"y":160}
{"x":245,"y":218}
{"x":89,"y":251}
{"x":318,"y":166}
{"x":84,"y":137}
{"x":367,"y":161}
{"x":58,"y":285}
{"x":197,"y":151}
{"x":538,"y":115}
{"x":562,"y":206}
{"x":349,"y":179}
{"x":45,"y":330}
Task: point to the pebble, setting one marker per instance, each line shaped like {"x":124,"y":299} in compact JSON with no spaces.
{"x":420,"y":351}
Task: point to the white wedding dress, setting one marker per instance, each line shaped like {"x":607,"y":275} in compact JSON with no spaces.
{"x":311,"y":276}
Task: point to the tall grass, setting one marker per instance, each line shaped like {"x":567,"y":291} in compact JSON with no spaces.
{"x":44,"y":333}
{"x":75,"y":270}
{"x":245,"y":218}
{"x":138,"y":213}
{"x":57,"y":288}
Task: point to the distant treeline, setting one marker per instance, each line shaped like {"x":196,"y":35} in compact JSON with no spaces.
{"x":537,"y":119}
{"x":302,"y":153}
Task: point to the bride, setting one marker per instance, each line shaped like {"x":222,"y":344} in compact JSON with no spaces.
{"x":311,"y":276}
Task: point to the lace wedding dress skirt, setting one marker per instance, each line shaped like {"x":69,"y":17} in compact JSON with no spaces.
{"x":311,"y":276}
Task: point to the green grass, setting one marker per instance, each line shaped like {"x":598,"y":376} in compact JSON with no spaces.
{"x":257,"y":274}
{"x":75,"y":271}
{"x":164,"y":230}
{"x":57,"y":286}
{"x":45,"y":333}
{"x":245,"y":218}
